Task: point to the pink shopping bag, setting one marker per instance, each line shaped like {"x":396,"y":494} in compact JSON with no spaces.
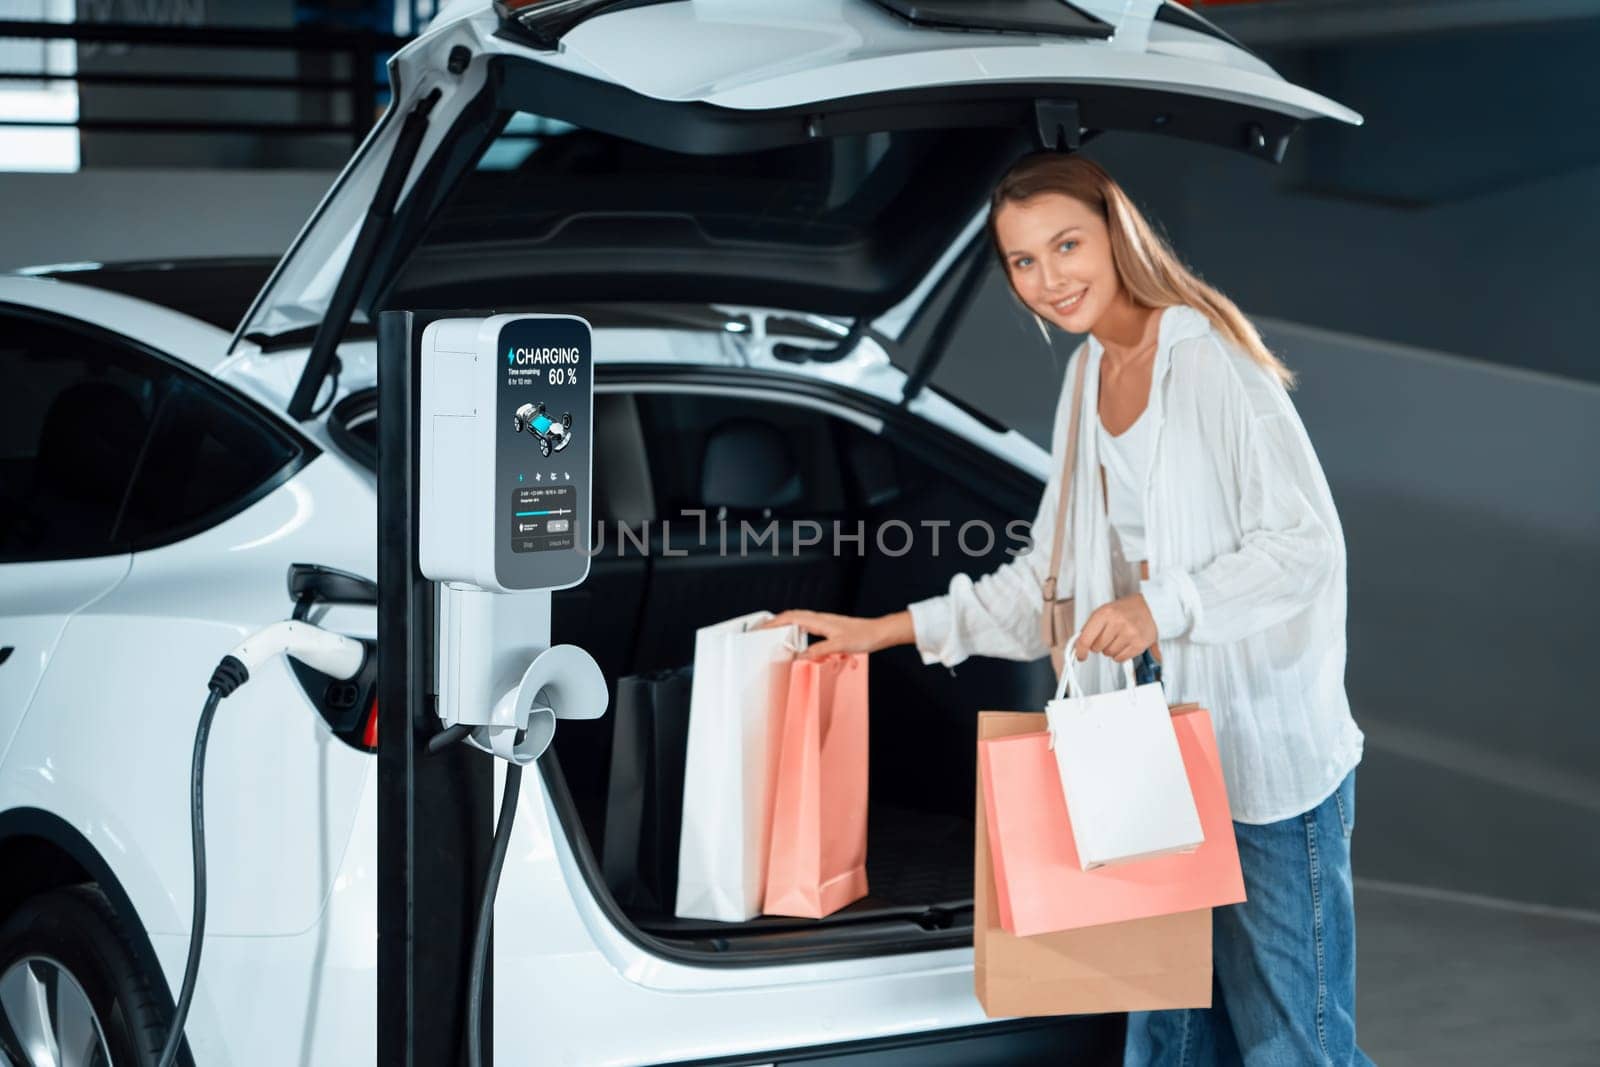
{"x":818,"y":855}
{"x":1041,"y":887}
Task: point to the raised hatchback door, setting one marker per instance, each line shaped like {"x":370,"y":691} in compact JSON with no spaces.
{"x":822,"y":157}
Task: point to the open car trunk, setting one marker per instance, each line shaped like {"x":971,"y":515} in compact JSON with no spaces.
{"x":638,"y":612}
{"x":854,"y":459}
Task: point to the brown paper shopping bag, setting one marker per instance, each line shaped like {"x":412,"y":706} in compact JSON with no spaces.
{"x":1141,"y":965}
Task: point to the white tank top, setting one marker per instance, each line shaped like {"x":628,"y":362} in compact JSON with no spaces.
{"x":1126,"y":458}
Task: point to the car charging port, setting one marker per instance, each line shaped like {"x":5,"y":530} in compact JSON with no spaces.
{"x":345,"y":705}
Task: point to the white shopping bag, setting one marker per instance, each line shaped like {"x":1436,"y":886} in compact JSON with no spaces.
{"x":741,"y":679}
{"x":1127,"y":793}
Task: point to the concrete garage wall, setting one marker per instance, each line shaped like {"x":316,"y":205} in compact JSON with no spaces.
{"x":152,"y":195}
{"x":1471,"y":517}
{"x":104,"y":215}
{"x":1506,"y":275}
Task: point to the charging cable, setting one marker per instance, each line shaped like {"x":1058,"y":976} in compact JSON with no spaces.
{"x":491,"y":888}
{"x":333,"y":654}
{"x":344,"y":657}
{"x":562,"y":681}
{"x":509,"y":795}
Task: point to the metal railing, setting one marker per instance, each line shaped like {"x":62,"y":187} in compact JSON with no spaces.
{"x":363,"y":83}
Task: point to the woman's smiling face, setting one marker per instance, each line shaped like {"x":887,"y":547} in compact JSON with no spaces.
{"x":1058,"y":258}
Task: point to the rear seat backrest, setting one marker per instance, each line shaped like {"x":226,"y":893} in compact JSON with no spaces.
{"x":748,"y":472}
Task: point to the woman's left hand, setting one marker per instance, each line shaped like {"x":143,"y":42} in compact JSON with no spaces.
{"x":1121,"y":629}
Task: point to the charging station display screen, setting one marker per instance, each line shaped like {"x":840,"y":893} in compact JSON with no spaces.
{"x":545,"y":390}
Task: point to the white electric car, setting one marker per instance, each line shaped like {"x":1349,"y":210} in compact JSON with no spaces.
{"x":772,"y":214}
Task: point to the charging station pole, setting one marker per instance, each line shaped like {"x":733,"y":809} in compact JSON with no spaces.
{"x":435,"y":811}
{"x":484,"y":507}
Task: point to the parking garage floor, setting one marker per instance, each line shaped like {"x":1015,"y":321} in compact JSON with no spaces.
{"x":1452,"y":979}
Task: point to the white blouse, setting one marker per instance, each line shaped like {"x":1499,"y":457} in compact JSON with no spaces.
{"x":1247,"y":570}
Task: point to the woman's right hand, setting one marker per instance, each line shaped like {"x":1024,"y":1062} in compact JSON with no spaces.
{"x":846,"y":633}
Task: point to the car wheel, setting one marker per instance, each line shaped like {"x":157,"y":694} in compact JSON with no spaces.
{"x":516,"y":424}
{"x":71,"y":992}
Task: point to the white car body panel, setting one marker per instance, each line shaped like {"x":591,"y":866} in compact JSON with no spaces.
{"x":755,"y":55}
{"x":559,"y":1014}
{"x":39,"y":600}
{"x":282,"y":793}
{"x":288,"y":783}
{"x":1169,"y":40}
{"x":308,"y":998}
{"x":272,"y":375}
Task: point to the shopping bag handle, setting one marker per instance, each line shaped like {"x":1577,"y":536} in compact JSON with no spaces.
{"x":1068,"y":674}
{"x":795,"y":639}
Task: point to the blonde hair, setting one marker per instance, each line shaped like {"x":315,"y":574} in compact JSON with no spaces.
{"x":1148,"y":269}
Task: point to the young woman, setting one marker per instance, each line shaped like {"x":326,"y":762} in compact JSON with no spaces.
{"x":1199,"y":526}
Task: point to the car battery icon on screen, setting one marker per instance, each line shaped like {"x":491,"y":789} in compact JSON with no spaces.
{"x":552,"y":436}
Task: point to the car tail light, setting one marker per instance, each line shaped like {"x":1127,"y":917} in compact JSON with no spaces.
{"x":369,"y":733}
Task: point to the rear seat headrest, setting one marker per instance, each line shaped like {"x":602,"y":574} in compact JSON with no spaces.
{"x":748,"y":464}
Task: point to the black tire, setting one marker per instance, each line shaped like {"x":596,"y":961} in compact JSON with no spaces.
{"x":78,"y":930}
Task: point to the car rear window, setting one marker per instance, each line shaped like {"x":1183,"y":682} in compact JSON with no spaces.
{"x":841,"y":224}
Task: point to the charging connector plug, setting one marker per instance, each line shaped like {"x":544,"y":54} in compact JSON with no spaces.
{"x":332,"y":654}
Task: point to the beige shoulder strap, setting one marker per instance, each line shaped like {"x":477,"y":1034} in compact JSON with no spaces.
{"x":1064,"y":491}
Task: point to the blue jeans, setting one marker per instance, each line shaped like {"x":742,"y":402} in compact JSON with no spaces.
{"x":1283,"y":962}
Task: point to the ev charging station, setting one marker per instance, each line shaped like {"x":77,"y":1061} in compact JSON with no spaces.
{"x":486,"y":435}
